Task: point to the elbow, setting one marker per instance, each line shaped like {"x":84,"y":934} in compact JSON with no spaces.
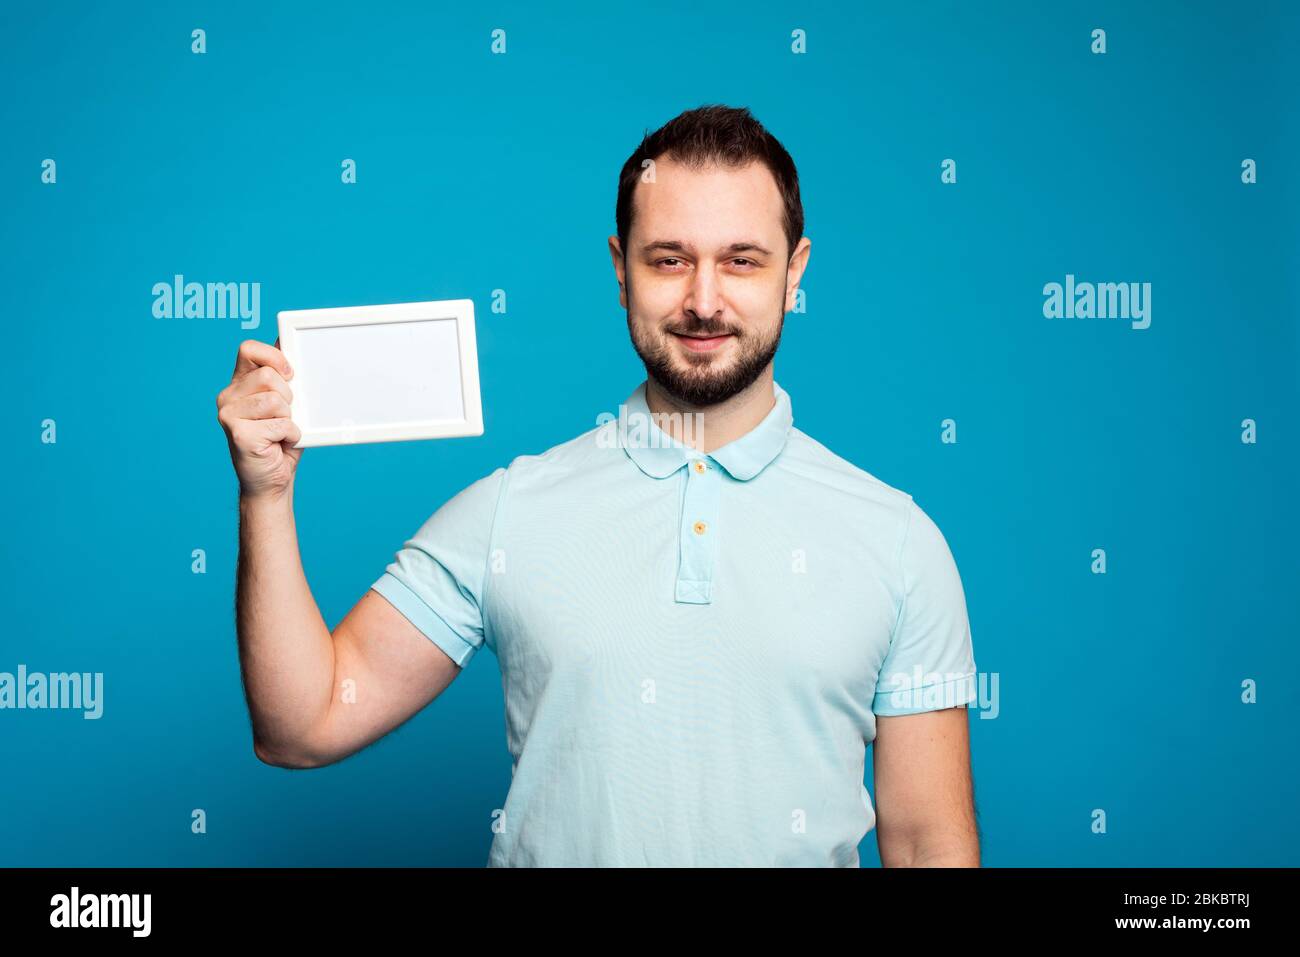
{"x":936,"y":847}
{"x":281,"y":758}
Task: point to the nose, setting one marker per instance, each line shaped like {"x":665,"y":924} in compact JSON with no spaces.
{"x":704,"y":297}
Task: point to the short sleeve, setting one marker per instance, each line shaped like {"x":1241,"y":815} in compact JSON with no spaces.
{"x":930,"y":664}
{"x":437,"y":578}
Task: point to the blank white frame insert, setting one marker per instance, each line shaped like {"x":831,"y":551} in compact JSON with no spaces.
{"x":387,"y":373}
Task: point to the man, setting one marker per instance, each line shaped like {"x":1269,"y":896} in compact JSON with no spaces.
{"x":702,"y":615}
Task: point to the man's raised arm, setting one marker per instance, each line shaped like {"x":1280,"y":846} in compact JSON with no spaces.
{"x":293,"y":667}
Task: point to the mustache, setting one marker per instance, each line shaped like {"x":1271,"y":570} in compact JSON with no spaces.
{"x":704,"y":329}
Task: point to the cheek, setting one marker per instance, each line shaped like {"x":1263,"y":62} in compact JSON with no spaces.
{"x":759,"y":308}
{"x":653,"y":301}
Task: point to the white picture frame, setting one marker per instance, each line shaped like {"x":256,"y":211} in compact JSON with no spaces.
{"x":383,"y":373}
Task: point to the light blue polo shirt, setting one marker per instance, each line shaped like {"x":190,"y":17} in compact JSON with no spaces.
{"x":693,"y":648}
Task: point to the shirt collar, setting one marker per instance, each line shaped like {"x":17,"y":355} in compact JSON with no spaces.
{"x":659,"y":455}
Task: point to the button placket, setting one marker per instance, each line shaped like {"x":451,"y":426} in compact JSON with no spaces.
{"x":697,"y":535}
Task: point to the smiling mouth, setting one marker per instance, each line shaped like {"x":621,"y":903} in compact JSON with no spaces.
{"x":702,"y":343}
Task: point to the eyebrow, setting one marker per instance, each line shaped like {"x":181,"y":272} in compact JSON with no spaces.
{"x":673,"y":246}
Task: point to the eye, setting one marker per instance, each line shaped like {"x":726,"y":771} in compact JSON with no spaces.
{"x":748,"y":261}
{"x":669,"y":259}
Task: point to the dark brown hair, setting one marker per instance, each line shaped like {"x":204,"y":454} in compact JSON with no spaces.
{"x":714,"y":134}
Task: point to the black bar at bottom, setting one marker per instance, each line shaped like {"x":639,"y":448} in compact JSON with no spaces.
{"x":207,"y":905}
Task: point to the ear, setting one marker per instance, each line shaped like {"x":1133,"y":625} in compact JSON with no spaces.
{"x":620,"y":269}
{"x":794,"y":271}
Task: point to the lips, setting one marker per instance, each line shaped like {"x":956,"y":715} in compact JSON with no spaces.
{"x":702,"y":343}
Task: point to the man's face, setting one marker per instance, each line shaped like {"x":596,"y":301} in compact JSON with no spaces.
{"x":707,"y":283}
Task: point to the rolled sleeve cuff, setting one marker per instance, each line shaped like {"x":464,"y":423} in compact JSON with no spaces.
{"x":428,"y":621}
{"x":951,"y":693}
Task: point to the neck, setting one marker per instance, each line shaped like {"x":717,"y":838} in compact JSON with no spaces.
{"x":718,"y":424}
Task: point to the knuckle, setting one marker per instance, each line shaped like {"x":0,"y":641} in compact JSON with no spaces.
{"x":271,"y":402}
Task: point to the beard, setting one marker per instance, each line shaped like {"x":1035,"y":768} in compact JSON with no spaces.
{"x":706,"y":379}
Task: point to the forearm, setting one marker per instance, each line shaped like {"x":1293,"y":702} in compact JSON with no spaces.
{"x":286,"y":650}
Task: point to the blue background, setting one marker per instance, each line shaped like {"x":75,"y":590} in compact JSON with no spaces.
{"x":477,"y":172}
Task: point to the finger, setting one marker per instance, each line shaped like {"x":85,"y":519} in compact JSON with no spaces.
{"x":258,"y":405}
{"x":282,"y":430}
{"x":252,"y":354}
{"x":258,"y":436}
{"x":261,"y":379}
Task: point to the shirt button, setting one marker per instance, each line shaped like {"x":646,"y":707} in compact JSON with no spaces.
{"x":700,"y":528}
{"x":700,"y":466}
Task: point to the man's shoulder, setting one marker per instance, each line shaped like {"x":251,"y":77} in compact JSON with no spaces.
{"x":575,"y":456}
{"x":533,"y":472}
{"x":863,"y":495}
{"x":813,"y":461}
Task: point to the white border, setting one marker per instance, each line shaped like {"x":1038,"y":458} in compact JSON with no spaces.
{"x":462,"y":310}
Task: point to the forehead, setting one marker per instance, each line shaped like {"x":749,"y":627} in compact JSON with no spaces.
{"x":708,"y":204}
